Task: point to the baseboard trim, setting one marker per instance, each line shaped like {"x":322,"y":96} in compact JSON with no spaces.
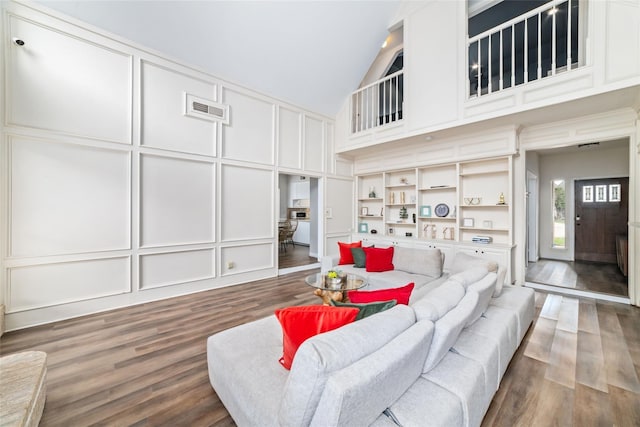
{"x":578,"y":292}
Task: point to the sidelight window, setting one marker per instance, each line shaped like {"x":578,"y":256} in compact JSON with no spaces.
{"x":559,"y":210}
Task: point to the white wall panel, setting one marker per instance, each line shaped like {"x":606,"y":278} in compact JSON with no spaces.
{"x":313,"y":145}
{"x":434,"y":37}
{"x":340,"y":204}
{"x":247,"y":203}
{"x":170,"y":268}
{"x":622,"y":40}
{"x":243,"y":259}
{"x":50,"y":284}
{"x":289,"y":139}
{"x":176,"y":201}
{"x":163,"y":123}
{"x":250,"y":134}
{"x":67,"y":198}
{"x":332,"y":247}
{"x":66,"y":84}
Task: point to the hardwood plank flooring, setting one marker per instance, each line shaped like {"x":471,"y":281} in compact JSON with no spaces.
{"x":589,"y":276}
{"x":294,"y":256}
{"x":146,"y":365}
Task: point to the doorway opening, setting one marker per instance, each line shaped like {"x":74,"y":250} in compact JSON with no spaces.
{"x":298,"y":222}
{"x":580,"y":209}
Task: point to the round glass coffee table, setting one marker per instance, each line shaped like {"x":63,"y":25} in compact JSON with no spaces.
{"x":334,"y":290}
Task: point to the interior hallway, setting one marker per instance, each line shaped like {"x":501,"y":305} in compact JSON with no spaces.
{"x":588,"y":276}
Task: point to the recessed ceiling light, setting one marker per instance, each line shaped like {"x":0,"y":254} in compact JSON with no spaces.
{"x":552,"y":11}
{"x":384,"y":43}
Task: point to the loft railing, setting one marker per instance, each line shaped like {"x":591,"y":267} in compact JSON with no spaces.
{"x":377,"y":104}
{"x":537,"y":44}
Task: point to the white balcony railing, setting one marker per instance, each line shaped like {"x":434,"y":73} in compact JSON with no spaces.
{"x":537,"y":44}
{"x":377,"y":104}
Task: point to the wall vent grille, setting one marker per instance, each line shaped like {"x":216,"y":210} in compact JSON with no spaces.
{"x":205,"y":109}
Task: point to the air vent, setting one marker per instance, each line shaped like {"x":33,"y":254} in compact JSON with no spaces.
{"x":205,"y":109}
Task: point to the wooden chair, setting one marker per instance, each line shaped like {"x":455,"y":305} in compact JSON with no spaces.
{"x":282,"y":238}
{"x":293,"y":226}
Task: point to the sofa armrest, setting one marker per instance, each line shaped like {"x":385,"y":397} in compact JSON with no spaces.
{"x":328,"y":262}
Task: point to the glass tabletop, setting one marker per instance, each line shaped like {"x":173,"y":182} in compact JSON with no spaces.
{"x":347,"y":283}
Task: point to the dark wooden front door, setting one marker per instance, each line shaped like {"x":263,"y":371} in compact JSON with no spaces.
{"x":600,"y":217}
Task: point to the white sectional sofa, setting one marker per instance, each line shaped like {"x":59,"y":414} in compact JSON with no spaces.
{"x":436,"y":362}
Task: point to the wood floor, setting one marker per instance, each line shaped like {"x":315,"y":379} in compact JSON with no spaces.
{"x":294,"y":256}
{"x":146,"y":365}
{"x":589,"y":276}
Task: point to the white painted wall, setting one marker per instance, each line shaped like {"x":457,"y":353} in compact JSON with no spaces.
{"x":114,"y":197}
{"x":585,"y":164}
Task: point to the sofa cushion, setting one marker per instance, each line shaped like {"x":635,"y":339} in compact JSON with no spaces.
{"x":484,"y":287}
{"x":448,"y":329}
{"x":401,"y":295}
{"x":359,"y":257}
{"x":244,"y":370}
{"x":366,"y":310}
{"x":378,"y":259}
{"x":303,"y":322}
{"x":345,"y":252}
{"x":463,"y":261}
{"x":357,"y":394}
{"x":424,"y":403}
{"x":323,"y":354}
{"x":427,"y":262}
{"x":470,"y":275}
{"x":439,"y":301}
{"x":464,"y":378}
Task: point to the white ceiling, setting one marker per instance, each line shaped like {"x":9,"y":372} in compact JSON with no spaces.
{"x":309,"y":53}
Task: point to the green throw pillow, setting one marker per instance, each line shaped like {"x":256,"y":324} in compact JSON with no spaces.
{"x":359,"y":257}
{"x":366,"y":309}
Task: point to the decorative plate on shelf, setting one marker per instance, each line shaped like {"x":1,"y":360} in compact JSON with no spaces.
{"x":441,"y":210}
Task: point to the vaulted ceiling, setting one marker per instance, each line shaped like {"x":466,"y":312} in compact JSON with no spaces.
{"x":309,"y":53}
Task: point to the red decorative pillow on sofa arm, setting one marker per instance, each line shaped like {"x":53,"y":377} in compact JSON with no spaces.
{"x":303,"y":322}
{"x":346,"y":257}
{"x":401,"y":294}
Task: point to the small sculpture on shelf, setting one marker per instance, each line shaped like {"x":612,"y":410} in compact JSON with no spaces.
{"x":402,"y":197}
{"x":372,"y":192}
{"x":403,"y":213}
{"x":391,"y":198}
{"x":501,"y":199}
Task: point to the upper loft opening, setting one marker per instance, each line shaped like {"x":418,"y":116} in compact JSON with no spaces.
{"x":514,"y":42}
{"x":380,"y":98}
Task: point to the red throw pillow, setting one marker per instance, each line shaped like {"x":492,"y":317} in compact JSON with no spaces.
{"x":401,"y":294}
{"x":346,"y":257}
{"x":300,"y":323}
{"x":378,"y":259}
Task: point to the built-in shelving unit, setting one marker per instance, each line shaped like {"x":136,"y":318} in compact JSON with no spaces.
{"x":448,"y":206}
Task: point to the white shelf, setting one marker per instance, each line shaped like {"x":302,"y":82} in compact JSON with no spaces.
{"x":484,"y":206}
{"x":438,"y":218}
{"x":438,"y":188}
{"x":496,"y":229}
{"x":371,"y":199}
{"x":412,"y":186}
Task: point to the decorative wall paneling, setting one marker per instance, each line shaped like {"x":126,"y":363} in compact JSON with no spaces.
{"x":176,"y":201}
{"x":67,"y":198}
{"x":44,"y":285}
{"x":114,"y":197}
{"x":163,"y":124}
{"x":171,"y":268}
{"x":46,"y":72}
{"x":250,"y":135}
{"x":290,"y":138}
{"x":622,"y":30}
{"x":496,"y":142}
{"x":247,"y":204}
